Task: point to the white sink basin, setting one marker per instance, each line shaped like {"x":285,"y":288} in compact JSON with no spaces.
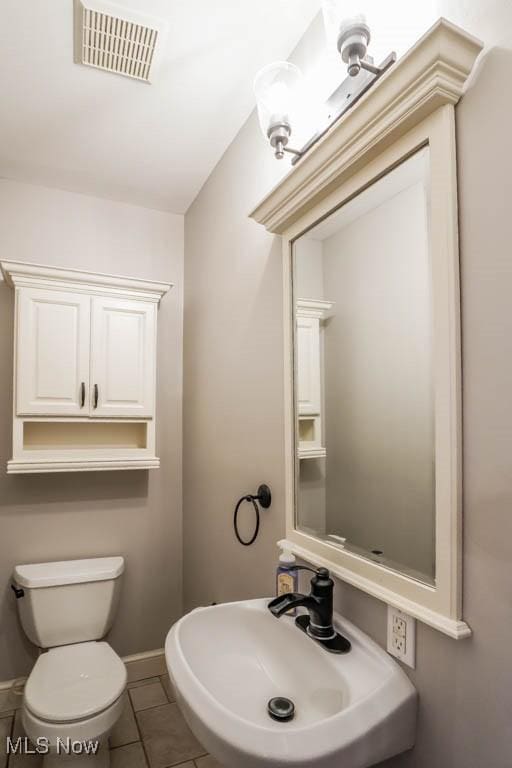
{"x":228,"y":661}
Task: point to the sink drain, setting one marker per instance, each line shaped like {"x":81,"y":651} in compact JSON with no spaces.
{"x":281,"y":708}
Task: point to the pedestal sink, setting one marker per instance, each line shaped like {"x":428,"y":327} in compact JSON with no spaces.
{"x":228,"y":661}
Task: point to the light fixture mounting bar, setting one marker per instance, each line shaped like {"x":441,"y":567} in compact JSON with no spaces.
{"x":349,"y":101}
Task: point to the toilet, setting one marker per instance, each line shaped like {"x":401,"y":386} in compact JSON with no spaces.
{"x":74,"y":694}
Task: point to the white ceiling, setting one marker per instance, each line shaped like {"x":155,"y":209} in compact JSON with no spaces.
{"x":77,"y":128}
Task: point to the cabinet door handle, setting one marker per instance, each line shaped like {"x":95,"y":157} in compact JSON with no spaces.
{"x":82,"y":394}
{"x":96,"y":393}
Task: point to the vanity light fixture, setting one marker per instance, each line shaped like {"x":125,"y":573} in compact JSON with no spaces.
{"x":277,"y":88}
{"x":280,"y":92}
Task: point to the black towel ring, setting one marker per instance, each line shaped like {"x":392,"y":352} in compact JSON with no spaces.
{"x":264,"y":497}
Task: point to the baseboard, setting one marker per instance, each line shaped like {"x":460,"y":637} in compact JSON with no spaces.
{"x":138,"y":666}
{"x":145,"y":664}
{"x":6,"y":685}
{"x":143,"y":655}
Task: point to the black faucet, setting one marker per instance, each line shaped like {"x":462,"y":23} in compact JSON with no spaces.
{"x":318,"y":623}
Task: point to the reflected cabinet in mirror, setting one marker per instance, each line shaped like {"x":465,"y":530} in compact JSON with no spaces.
{"x":364,"y":380}
{"x":372,"y":405}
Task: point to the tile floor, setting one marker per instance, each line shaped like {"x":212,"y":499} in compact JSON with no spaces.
{"x":151,"y":733}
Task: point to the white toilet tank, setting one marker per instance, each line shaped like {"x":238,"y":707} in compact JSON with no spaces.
{"x":68,"y":602}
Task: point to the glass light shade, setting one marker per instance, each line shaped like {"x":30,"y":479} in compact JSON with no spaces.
{"x":395,"y":26}
{"x":277,"y":89}
{"x":336,"y":14}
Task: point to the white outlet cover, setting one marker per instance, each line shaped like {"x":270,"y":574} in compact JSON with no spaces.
{"x":402,"y":636}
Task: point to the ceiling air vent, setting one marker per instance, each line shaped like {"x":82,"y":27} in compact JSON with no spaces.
{"x":117,"y":40}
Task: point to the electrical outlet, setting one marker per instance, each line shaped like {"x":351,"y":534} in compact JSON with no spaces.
{"x":398,"y":644}
{"x":402,"y":636}
{"x":399,"y":625}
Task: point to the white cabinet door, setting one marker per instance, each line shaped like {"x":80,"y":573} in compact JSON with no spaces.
{"x":308,"y":366}
{"x":53,"y":338}
{"x":123,"y":349}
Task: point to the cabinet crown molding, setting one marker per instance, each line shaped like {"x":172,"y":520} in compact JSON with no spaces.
{"x":430,"y":75}
{"x":318,"y":308}
{"x":20,"y":273}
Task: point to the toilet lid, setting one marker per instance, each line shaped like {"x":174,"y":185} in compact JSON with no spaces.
{"x":74,"y":682}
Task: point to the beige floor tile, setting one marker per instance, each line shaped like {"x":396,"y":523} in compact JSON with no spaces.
{"x":5,"y":701}
{"x":5,"y":731}
{"x":168,"y":688}
{"x":125,"y":731}
{"x":18,"y":729}
{"x":207,"y":762}
{"x":146,"y":696}
{"x":25,"y":761}
{"x":146,"y":681}
{"x":4,"y":716}
{"x":10,"y":700}
{"x":167,"y":738}
{"x":129,"y":756}
{"x":144,"y":668}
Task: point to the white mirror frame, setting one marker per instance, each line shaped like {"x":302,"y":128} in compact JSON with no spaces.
{"x":411,"y":107}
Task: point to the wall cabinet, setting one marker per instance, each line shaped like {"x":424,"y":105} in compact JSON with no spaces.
{"x":310,"y":313}
{"x":85,"y":370}
{"x":53,"y":339}
{"x":308,"y":364}
{"x":123,"y":351}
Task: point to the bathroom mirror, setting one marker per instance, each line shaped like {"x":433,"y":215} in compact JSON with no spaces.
{"x":364,"y":408}
{"x":372,"y":370}
{"x":372,"y":376}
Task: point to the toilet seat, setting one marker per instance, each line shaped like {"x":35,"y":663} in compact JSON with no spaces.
{"x":74,"y":682}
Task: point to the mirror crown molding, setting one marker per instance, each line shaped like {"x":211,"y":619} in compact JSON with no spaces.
{"x":430,"y":75}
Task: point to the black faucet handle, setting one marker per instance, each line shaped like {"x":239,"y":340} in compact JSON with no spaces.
{"x":322,"y":572}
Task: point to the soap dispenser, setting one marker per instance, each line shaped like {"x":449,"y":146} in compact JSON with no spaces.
{"x":286,"y":575}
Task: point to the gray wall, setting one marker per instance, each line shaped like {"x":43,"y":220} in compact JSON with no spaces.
{"x":233,"y":409}
{"x":233,"y":369}
{"x":135,"y":514}
{"x":378,"y":371}
{"x":308,"y":269}
{"x":233,"y":385}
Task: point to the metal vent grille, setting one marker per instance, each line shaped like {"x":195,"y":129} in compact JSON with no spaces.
{"x":115,"y":41}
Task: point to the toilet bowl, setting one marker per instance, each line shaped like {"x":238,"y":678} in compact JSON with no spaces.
{"x":74,"y":694}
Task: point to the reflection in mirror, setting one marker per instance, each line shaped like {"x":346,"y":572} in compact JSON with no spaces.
{"x":364,"y":382}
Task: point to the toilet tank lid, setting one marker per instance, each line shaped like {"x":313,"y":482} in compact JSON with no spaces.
{"x":38,"y":575}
